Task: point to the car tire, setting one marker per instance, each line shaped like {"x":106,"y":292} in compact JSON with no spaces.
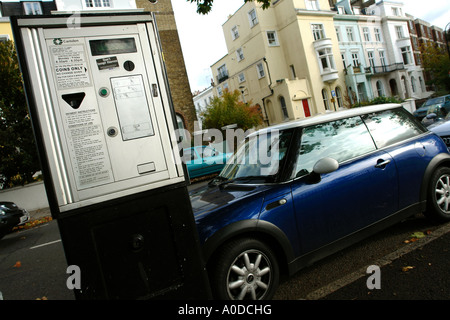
{"x":438,"y":202}
{"x":245,"y":269}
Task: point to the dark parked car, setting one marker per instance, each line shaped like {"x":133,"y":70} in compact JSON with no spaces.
{"x":321,"y":184}
{"x":423,"y":110}
{"x":11,"y":216}
{"x":442,"y":129}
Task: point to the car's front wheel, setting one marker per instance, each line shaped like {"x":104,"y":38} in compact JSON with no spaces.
{"x":245,"y":269}
{"x":438,"y":204}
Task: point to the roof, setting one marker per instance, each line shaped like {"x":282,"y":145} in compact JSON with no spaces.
{"x":331,"y":116}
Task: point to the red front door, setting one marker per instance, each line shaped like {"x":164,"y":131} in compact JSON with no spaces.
{"x":306,"y":108}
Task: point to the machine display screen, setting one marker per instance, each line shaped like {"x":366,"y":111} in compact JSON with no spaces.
{"x":112,"y":46}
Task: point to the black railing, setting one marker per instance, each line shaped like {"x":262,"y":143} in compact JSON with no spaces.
{"x":222,"y":76}
{"x":386,"y":69}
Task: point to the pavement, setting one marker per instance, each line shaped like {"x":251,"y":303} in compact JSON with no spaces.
{"x":40,"y":213}
{"x":418,"y":271}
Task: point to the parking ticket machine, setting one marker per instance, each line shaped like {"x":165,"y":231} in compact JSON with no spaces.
{"x":104,"y":125}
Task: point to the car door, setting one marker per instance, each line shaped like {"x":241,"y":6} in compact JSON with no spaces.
{"x":360,"y":192}
{"x":398,"y":133}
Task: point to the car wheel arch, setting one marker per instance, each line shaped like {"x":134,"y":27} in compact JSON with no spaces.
{"x":264,"y":231}
{"x":440,"y":160}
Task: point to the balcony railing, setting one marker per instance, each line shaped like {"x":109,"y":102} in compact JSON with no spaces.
{"x":386,"y":69}
{"x":222,"y":76}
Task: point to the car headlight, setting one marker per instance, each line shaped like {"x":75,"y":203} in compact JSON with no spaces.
{"x":2,"y":213}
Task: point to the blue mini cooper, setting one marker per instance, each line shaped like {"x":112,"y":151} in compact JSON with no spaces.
{"x":297,"y":192}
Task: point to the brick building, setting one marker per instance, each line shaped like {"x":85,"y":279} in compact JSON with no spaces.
{"x":173,"y":56}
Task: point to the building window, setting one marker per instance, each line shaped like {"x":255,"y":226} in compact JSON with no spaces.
{"x":252,"y":18}
{"x":222,"y":73}
{"x":284,"y":108}
{"x":382,"y":57}
{"x":399,"y":32}
{"x":326,"y":59}
{"x":344,"y":60}
{"x":406,"y":54}
{"x":317,"y":30}
{"x":371,"y":58}
{"x":366,"y":34}
{"x":260,"y":70}
{"x":350,"y":34}
{"x":326,"y":102}
{"x":379,"y":88}
{"x":240,"y":54}
{"x":377,"y":34}
{"x":339,"y":97}
{"x":97,"y":3}
{"x":293,"y":74}
{"x":312,"y":4}
{"x":355,"y":59}
{"x":396,"y":11}
{"x":234,"y":33}
{"x":272,"y":38}
{"x":32,"y":8}
{"x":338,"y":33}
{"x":241,"y":77}
{"x":219,"y":91}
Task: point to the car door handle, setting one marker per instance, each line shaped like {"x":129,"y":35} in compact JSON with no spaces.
{"x":381,"y":163}
{"x":276,"y":204}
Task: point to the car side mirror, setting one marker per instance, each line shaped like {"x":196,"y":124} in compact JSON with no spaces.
{"x":323,"y":166}
{"x":431,"y":115}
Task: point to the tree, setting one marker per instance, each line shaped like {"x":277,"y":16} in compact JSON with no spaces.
{"x":17,"y":145}
{"x":205,"y":6}
{"x":229,"y":110}
{"x":436,"y":63}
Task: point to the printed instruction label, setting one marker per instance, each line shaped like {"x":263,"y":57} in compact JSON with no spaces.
{"x":69,"y":64}
{"x":89,"y":155}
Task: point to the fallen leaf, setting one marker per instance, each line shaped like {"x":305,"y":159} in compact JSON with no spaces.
{"x":17,"y":265}
{"x":406,"y":269}
{"x":417,"y":235}
{"x":43,"y":298}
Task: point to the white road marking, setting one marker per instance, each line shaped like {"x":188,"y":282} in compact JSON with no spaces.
{"x":45,"y":244}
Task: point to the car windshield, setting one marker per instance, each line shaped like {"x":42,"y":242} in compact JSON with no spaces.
{"x":258,"y":158}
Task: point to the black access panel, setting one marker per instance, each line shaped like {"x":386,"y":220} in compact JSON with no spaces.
{"x":104,"y":126}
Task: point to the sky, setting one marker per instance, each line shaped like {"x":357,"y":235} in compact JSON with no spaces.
{"x":203,"y":43}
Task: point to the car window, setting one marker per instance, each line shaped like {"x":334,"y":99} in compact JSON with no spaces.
{"x":189,"y":155}
{"x":206,"y":152}
{"x":392,"y":126}
{"x":341,"y":140}
{"x":259,"y":156}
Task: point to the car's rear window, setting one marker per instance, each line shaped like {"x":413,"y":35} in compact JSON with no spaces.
{"x":392,"y":126}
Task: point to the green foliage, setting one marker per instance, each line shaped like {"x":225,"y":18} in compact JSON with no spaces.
{"x":229,"y":110}
{"x":436,"y":62}
{"x":18,"y":153}
{"x":377,"y":100}
{"x":205,"y":6}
